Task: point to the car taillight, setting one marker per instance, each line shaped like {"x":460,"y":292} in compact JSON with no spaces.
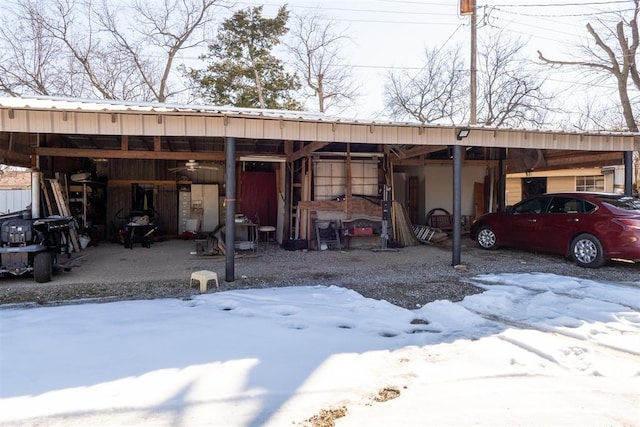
{"x":629,"y":223}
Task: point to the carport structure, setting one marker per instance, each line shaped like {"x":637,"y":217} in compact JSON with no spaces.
{"x":54,"y":134}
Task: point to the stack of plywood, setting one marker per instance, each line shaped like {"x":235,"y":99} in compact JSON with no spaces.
{"x":58,"y":204}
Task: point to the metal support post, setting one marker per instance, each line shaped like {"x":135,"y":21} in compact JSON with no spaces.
{"x":230,"y":213}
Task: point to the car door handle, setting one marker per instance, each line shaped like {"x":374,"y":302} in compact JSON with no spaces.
{"x":533,"y":220}
{"x":573,"y":220}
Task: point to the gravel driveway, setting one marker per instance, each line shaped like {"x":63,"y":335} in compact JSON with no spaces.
{"x":409,"y":277}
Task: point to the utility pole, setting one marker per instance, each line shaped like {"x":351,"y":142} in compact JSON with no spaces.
{"x":473,"y":86}
{"x":468,"y":7}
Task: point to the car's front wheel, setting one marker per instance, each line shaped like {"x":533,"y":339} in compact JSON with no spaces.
{"x":486,"y":238}
{"x":587,"y":251}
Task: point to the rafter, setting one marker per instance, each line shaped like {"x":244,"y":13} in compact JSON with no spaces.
{"x":307,"y":149}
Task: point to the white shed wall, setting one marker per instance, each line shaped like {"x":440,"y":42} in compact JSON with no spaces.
{"x":439,"y":187}
{"x":14,"y":200}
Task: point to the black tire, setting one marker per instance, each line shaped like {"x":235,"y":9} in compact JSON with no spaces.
{"x":42,"y":267}
{"x":587,"y":251}
{"x":486,"y":238}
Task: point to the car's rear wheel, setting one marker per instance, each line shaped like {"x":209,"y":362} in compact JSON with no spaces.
{"x":486,"y":238}
{"x":42,"y":267}
{"x":587,"y":251}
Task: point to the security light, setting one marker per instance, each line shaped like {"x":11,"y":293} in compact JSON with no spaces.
{"x":462,"y":133}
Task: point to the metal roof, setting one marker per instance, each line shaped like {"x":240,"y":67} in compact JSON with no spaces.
{"x":70,"y":116}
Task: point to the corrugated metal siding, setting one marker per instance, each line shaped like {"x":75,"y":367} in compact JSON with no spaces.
{"x":14,"y":200}
{"x":104,"y":118}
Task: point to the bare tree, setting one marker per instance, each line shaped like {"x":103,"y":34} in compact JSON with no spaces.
{"x":510,"y":94}
{"x":612,"y":52}
{"x":434,"y":94}
{"x":28,"y":56}
{"x":315,"y":43}
{"x":596,"y":113}
{"x":93,"y":48}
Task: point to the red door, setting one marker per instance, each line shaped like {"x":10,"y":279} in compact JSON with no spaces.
{"x":259,"y":197}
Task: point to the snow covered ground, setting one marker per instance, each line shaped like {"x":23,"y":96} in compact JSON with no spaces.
{"x":532,"y":350}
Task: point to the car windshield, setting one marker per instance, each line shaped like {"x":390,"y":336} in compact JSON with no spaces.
{"x":623,"y":202}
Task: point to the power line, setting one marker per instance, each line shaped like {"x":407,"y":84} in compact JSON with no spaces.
{"x":341,"y":9}
{"x":555,"y":4}
{"x":374,"y":21}
{"x":568,"y":15}
{"x":432,"y":13}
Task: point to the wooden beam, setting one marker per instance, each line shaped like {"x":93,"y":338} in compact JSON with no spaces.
{"x":15,"y":158}
{"x":128,"y":154}
{"x":157,"y":146}
{"x":586,"y":158}
{"x":571,"y":161}
{"x":443,"y":162}
{"x":124,"y":142}
{"x":419,"y":150}
{"x":307,"y":149}
{"x":359,"y":207}
{"x":127,"y":182}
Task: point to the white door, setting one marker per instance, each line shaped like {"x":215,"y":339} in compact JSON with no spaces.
{"x":205,"y":196}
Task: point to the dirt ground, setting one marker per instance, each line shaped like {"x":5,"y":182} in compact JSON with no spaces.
{"x":409,"y":277}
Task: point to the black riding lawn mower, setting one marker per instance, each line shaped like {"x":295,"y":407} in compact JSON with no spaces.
{"x":33,"y":245}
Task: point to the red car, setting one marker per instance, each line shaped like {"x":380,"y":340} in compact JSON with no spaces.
{"x":590,"y":228}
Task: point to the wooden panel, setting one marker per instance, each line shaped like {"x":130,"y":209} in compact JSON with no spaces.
{"x":412,"y":200}
{"x":118,"y":207}
{"x":166,"y":204}
{"x":359,"y":206}
{"x":514,"y":191}
{"x":479,"y":200}
{"x":561,"y":183}
{"x":132,"y":169}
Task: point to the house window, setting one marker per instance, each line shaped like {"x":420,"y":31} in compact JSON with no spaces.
{"x":590,"y":183}
{"x":330,"y":178}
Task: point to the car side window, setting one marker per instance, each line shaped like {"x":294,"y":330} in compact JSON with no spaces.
{"x":570,"y":205}
{"x":565,"y":205}
{"x":532,"y":206}
{"x":588,"y":207}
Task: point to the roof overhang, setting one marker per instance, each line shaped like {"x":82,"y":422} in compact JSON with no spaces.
{"x":72,"y":116}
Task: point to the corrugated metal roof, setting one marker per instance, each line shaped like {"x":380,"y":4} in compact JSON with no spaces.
{"x":46,"y":102}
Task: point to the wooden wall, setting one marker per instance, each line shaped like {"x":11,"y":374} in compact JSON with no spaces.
{"x":123,"y":175}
